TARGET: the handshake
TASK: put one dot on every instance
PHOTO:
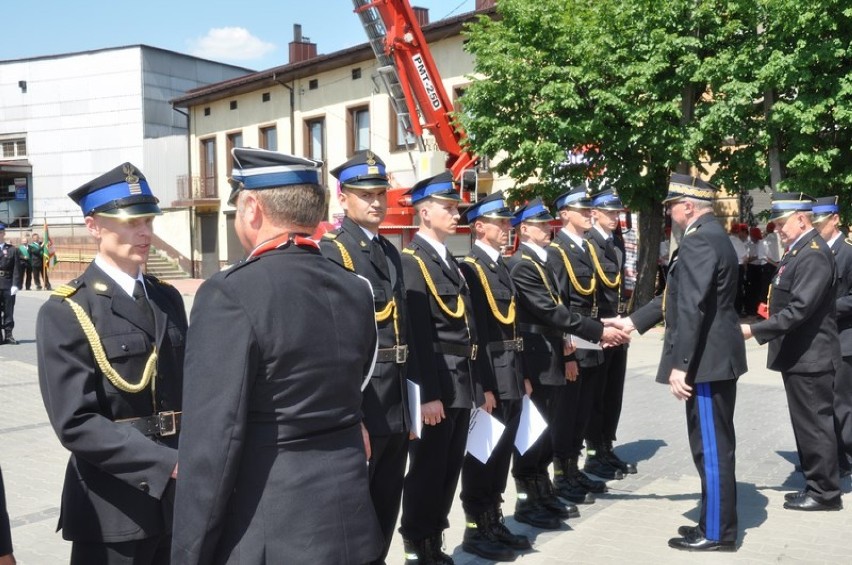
(616, 331)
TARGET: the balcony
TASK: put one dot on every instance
(197, 192)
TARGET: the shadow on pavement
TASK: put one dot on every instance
(641, 450)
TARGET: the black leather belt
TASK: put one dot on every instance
(588, 312)
(455, 349)
(396, 354)
(5, 273)
(507, 345)
(546, 331)
(162, 424)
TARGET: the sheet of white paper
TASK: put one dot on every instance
(532, 425)
(483, 433)
(581, 343)
(414, 407)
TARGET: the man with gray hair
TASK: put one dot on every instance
(273, 466)
(702, 355)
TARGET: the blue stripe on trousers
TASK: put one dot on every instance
(711, 462)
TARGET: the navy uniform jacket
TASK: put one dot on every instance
(385, 406)
(5, 530)
(442, 376)
(116, 476)
(611, 260)
(703, 334)
(802, 328)
(842, 250)
(539, 306)
(272, 462)
(499, 367)
(584, 271)
(11, 273)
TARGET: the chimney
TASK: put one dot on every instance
(422, 15)
(301, 48)
(484, 4)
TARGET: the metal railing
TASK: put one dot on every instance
(192, 187)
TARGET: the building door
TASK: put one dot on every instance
(209, 224)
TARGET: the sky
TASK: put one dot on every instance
(248, 33)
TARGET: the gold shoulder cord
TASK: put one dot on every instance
(101, 358)
(347, 259)
(556, 299)
(574, 282)
(459, 312)
(599, 269)
(509, 318)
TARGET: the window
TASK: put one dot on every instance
(14, 148)
(265, 97)
(233, 104)
(315, 139)
(207, 111)
(358, 129)
(313, 84)
(356, 73)
(269, 138)
(234, 140)
(400, 138)
(208, 169)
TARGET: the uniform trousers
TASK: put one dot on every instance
(149, 551)
(608, 394)
(710, 425)
(483, 484)
(810, 398)
(387, 471)
(573, 408)
(843, 412)
(7, 309)
(538, 457)
(433, 475)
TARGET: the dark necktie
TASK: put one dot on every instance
(377, 256)
(142, 302)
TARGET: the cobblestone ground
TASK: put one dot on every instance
(629, 525)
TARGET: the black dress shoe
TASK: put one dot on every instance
(794, 495)
(688, 531)
(810, 504)
(700, 543)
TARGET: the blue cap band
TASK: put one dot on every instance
(356, 171)
(430, 189)
(821, 209)
(530, 213)
(792, 205)
(112, 192)
(486, 208)
(254, 182)
(569, 199)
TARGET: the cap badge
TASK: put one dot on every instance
(132, 180)
(371, 161)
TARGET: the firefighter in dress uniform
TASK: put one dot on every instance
(702, 355)
(499, 367)
(827, 220)
(572, 266)
(802, 334)
(608, 261)
(110, 363)
(357, 246)
(543, 320)
(273, 459)
(444, 343)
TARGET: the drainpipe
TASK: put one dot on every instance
(292, 112)
(189, 185)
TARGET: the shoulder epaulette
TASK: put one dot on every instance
(814, 245)
(66, 290)
(153, 279)
(408, 251)
(848, 241)
(329, 235)
(469, 259)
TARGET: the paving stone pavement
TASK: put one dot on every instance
(630, 524)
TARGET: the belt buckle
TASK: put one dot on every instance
(520, 343)
(166, 419)
(473, 350)
(401, 353)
